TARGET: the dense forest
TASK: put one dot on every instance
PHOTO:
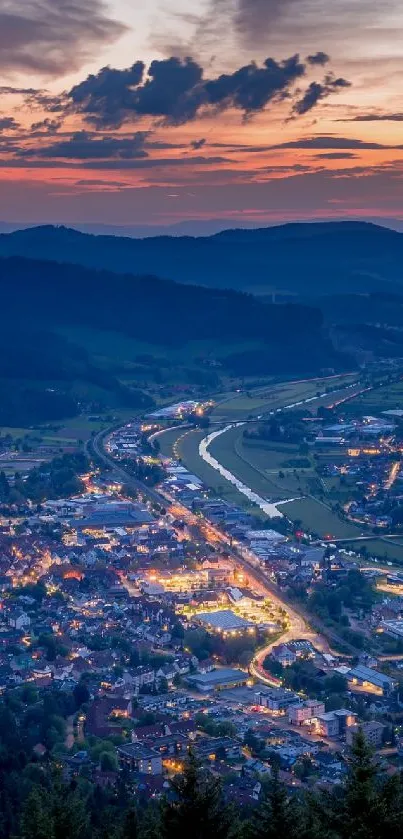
(288, 338)
(38, 369)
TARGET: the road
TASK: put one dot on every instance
(97, 444)
(298, 627)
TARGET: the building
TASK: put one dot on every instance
(218, 748)
(394, 628)
(304, 713)
(335, 723)
(218, 680)
(225, 621)
(283, 655)
(370, 681)
(276, 700)
(373, 733)
(328, 725)
(139, 758)
(112, 515)
(19, 619)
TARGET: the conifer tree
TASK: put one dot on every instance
(370, 807)
(37, 819)
(196, 808)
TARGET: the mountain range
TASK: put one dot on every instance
(301, 260)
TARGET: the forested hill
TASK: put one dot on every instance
(306, 258)
(38, 296)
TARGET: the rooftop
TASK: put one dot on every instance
(224, 620)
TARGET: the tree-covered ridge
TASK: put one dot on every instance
(308, 258)
(38, 370)
(287, 337)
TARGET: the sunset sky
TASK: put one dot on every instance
(161, 111)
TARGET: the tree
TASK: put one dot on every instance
(36, 819)
(197, 809)
(130, 826)
(70, 816)
(108, 762)
(81, 694)
(369, 809)
(277, 817)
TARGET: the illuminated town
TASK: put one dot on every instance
(177, 616)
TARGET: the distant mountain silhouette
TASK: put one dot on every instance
(302, 258)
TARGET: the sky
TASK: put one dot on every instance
(206, 114)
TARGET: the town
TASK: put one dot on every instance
(161, 620)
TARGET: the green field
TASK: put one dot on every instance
(257, 464)
(384, 398)
(383, 549)
(258, 467)
(227, 449)
(167, 440)
(240, 406)
(317, 518)
(188, 451)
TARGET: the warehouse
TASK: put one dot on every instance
(218, 680)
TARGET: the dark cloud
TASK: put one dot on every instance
(7, 90)
(396, 117)
(328, 142)
(174, 90)
(41, 100)
(336, 155)
(198, 144)
(108, 96)
(97, 182)
(32, 159)
(318, 58)
(156, 162)
(47, 126)
(52, 37)
(251, 88)
(317, 91)
(83, 146)
(8, 124)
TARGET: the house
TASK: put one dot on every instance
(105, 715)
(18, 619)
(283, 655)
(328, 724)
(139, 758)
(168, 672)
(217, 748)
(206, 666)
(142, 676)
(158, 636)
(170, 745)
